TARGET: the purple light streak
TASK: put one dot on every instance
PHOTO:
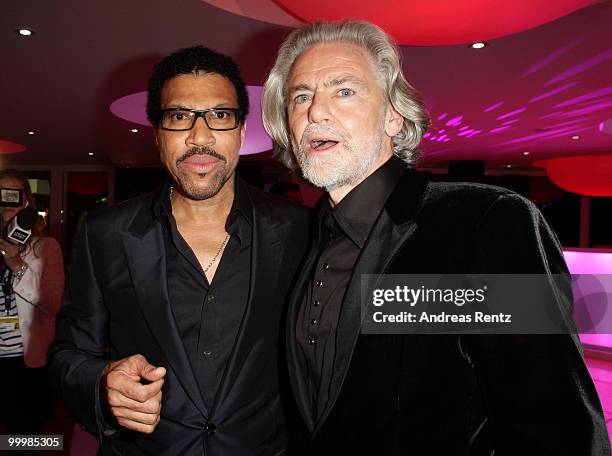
(581, 67)
(465, 132)
(510, 122)
(540, 136)
(495, 106)
(552, 114)
(552, 92)
(573, 131)
(454, 121)
(569, 122)
(551, 57)
(511, 113)
(497, 130)
(442, 116)
(593, 108)
(587, 96)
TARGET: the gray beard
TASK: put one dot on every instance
(346, 167)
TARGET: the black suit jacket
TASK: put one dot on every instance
(429, 395)
(116, 305)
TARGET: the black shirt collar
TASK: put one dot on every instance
(241, 206)
(359, 209)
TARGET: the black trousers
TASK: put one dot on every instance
(25, 395)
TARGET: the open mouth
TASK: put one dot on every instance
(322, 144)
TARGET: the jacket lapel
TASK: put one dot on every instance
(146, 258)
(266, 254)
(391, 231)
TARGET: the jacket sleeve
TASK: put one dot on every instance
(537, 392)
(79, 352)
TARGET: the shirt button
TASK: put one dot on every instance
(210, 428)
(207, 353)
(316, 303)
(211, 298)
(319, 283)
(314, 321)
(325, 266)
(311, 341)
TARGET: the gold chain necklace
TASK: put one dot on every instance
(221, 247)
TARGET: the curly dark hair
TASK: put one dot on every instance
(193, 60)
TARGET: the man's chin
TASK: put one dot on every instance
(207, 186)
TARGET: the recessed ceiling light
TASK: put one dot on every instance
(25, 31)
(508, 166)
(30, 132)
(90, 153)
(526, 153)
(576, 137)
(134, 130)
(478, 45)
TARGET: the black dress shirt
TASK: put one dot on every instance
(208, 315)
(343, 231)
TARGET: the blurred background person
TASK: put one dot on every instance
(32, 278)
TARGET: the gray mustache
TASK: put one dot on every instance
(316, 129)
(200, 151)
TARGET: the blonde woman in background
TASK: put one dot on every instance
(32, 278)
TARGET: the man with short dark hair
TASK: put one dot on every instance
(168, 342)
(338, 106)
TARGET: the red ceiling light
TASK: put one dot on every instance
(10, 147)
(439, 22)
(589, 175)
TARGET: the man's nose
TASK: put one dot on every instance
(200, 134)
(319, 110)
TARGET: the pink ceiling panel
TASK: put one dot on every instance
(133, 109)
(262, 10)
(439, 22)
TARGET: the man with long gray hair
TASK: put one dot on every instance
(339, 108)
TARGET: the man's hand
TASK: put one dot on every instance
(135, 404)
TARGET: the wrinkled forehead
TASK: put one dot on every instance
(325, 62)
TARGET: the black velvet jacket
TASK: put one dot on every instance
(117, 305)
(429, 395)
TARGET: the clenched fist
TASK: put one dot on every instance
(135, 404)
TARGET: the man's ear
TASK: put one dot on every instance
(393, 121)
(242, 132)
(155, 135)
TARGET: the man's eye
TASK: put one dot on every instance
(301, 99)
(346, 92)
(178, 116)
(220, 114)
